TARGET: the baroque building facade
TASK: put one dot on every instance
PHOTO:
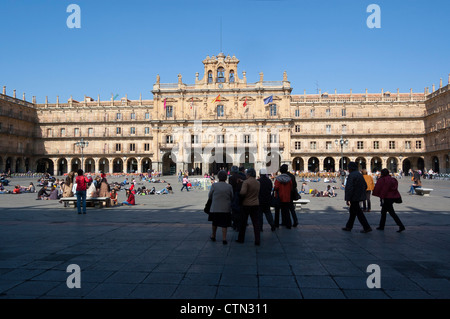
(222, 120)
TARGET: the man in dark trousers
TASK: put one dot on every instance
(355, 192)
(265, 191)
(284, 169)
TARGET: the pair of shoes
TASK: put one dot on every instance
(295, 225)
(402, 228)
(212, 238)
(224, 242)
(366, 230)
(239, 241)
(347, 229)
(380, 228)
(84, 213)
(257, 243)
(79, 213)
(272, 228)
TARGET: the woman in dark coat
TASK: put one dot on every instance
(221, 194)
(387, 189)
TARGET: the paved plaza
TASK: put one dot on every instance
(160, 249)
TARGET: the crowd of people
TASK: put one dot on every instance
(239, 194)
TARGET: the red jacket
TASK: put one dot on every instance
(81, 183)
(386, 187)
(283, 186)
(130, 199)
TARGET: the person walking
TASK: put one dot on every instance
(185, 183)
(236, 180)
(284, 170)
(355, 192)
(265, 191)
(221, 194)
(370, 185)
(250, 206)
(283, 187)
(386, 189)
(81, 182)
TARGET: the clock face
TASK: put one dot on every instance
(220, 85)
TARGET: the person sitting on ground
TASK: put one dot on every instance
(42, 194)
(130, 199)
(16, 189)
(2, 189)
(329, 192)
(303, 189)
(53, 194)
(169, 188)
(113, 197)
(31, 188)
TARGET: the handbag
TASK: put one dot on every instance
(295, 194)
(207, 206)
(274, 200)
(398, 200)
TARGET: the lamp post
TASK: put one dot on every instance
(342, 142)
(82, 144)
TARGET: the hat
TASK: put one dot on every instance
(234, 169)
(352, 166)
(263, 171)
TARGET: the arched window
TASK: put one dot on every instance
(231, 76)
(220, 75)
(210, 78)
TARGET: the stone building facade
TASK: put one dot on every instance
(222, 120)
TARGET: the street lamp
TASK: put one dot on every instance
(342, 142)
(82, 144)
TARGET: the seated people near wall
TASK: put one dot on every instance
(16, 189)
(130, 199)
(42, 194)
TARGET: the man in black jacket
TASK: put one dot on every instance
(265, 191)
(355, 192)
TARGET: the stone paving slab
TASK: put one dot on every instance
(160, 249)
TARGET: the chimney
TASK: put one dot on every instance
(4, 87)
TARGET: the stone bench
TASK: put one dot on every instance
(96, 201)
(300, 202)
(423, 191)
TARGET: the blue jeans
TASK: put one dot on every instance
(81, 196)
(126, 203)
(184, 185)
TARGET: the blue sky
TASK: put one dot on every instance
(122, 45)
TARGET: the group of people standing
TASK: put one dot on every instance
(246, 196)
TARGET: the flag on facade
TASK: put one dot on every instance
(217, 99)
(164, 104)
(192, 103)
(245, 102)
(268, 100)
